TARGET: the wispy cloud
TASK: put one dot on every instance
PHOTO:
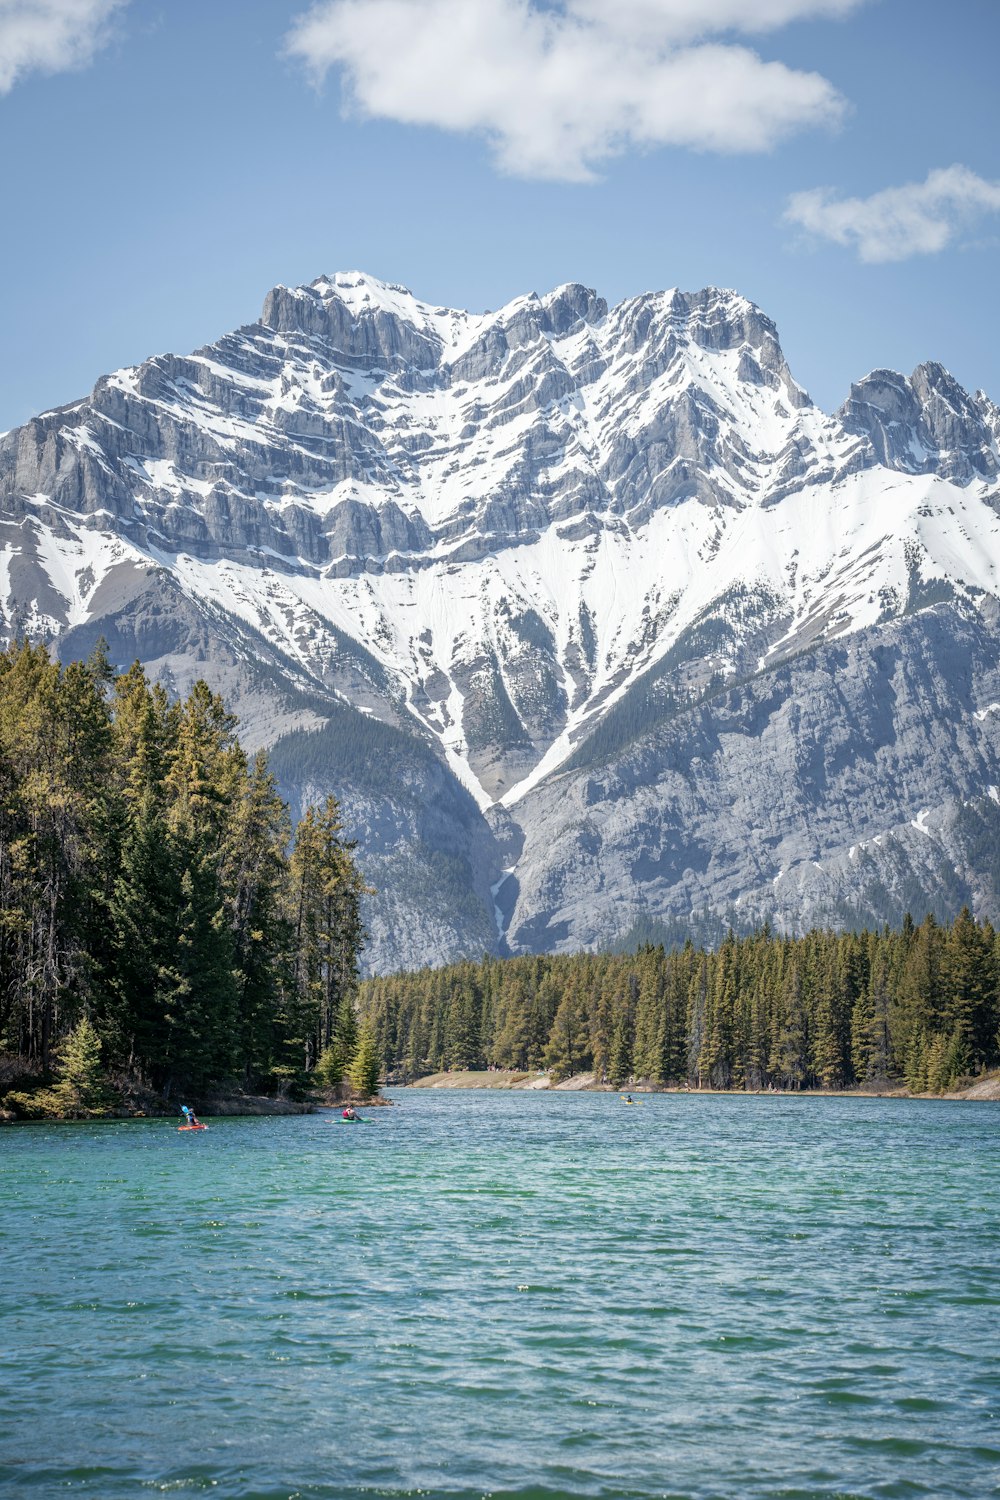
(50, 36)
(559, 90)
(918, 218)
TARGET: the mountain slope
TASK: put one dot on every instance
(505, 553)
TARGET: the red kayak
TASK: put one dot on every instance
(192, 1127)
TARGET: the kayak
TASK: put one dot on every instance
(192, 1127)
(358, 1120)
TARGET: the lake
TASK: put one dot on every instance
(523, 1294)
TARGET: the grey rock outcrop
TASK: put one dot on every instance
(824, 790)
(925, 425)
(594, 621)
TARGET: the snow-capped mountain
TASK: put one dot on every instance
(465, 569)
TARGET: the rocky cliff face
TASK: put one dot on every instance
(596, 623)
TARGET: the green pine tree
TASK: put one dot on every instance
(82, 1086)
(620, 1056)
(788, 1060)
(568, 1050)
(332, 1065)
(366, 1065)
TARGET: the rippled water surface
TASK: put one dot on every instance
(507, 1294)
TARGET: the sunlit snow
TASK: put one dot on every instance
(830, 545)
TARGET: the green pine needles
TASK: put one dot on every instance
(919, 1007)
(366, 1064)
(160, 920)
(83, 1085)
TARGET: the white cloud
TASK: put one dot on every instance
(919, 218)
(685, 20)
(50, 36)
(559, 90)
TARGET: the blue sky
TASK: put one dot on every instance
(162, 165)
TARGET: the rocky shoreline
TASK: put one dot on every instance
(986, 1088)
(228, 1106)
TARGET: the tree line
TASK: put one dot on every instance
(158, 913)
(830, 1010)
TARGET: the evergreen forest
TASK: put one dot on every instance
(919, 1006)
(165, 932)
(162, 926)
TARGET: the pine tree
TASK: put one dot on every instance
(143, 913)
(918, 1061)
(253, 874)
(144, 882)
(366, 1064)
(696, 1007)
(199, 988)
(325, 911)
(916, 1007)
(787, 1062)
(620, 1056)
(332, 1065)
(82, 1086)
(759, 1039)
(514, 1032)
(462, 1028)
(568, 1051)
(969, 984)
(870, 1041)
(650, 1059)
(829, 1060)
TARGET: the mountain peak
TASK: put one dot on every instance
(924, 423)
(509, 547)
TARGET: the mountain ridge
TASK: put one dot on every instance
(521, 538)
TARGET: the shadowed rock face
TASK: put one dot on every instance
(596, 624)
(854, 783)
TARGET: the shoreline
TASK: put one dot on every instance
(986, 1089)
(228, 1107)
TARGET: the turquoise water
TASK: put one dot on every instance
(508, 1294)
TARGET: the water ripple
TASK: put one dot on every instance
(532, 1296)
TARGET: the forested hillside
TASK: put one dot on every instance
(827, 1010)
(160, 925)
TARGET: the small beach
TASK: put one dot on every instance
(986, 1088)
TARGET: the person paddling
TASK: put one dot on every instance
(190, 1118)
(349, 1113)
